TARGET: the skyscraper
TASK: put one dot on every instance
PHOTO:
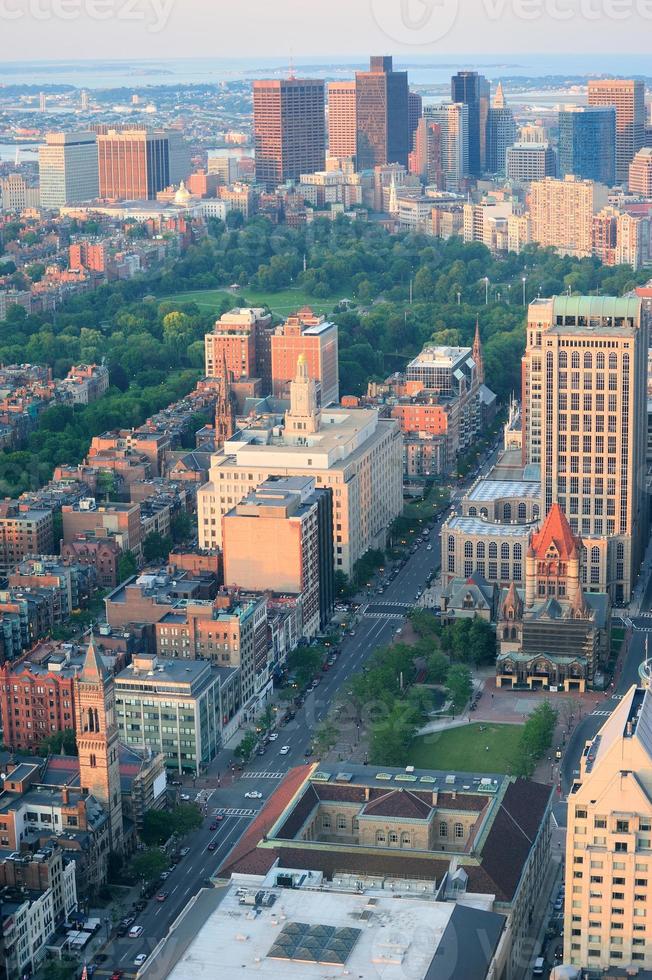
(135, 164)
(415, 111)
(382, 115)
(453, 120)
(628, 99)
(68, 169)
(585, 418)
(587, 143)
(562, 214)
(425, 158)
(342, 128)
(474, 91)
(525, 162)
(640, 173)
(501, 132)
(289, 129)
(608, 843)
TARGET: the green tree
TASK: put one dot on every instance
(325, 737)
(149, 864)
(535, 740)
(181, 527)
(53, 744)
(156, 546)
(393, 735)
(127, 566)
(459, 686)
(63, 969)
(246, 746)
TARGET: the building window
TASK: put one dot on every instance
(459, 830)
(393, 837)
(341, 822)
(443, 829)
(380, 837)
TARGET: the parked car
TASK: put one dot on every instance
(184, 851)
(140, 959)
(161, 896)
(164, 874)
(273, 736)
(135, 932)
(185, 797)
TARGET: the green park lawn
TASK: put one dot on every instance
(284, 302)
(465, 748)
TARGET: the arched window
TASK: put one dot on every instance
(599, 361)
(406, 840)
(563, 359)
(451, 543)
(507, 512)
(522, 511)
(595, 555)
(479, 551)
(493, 549)
(443, 829)
(380, 837)
(468, 549)
(506, 631)
(504, 551)
(484, 512)
(613, 362)
(575, 359)
(473, 512)
(91, 721)
(518, 551)
(535, 511)
(514, 633)
(459, 830)
(393, 837)
(588, 360)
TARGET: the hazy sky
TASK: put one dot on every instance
(55, 29)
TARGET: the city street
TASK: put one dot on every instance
(379, 618)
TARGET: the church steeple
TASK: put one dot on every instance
(225, 409)
(477, 352)
(97, 739)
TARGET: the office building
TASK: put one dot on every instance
(16, 194)
(607, 929)
(502, 132)
(236, 339)
(460, 832)
(24, 530)
(453, 121)
(584, 421)
(354, 452)
(280, 539)
(68, 169)
(525, 162)
(587, 143)
(289, 129)
(226, 168)
(135, 164)
(628, 99)
(562, 211)
(382, 115)
(640, 173)
(415, 112)
(173, 707)
(426, 157)
(315, 339)
(342, 125)
(474, 91)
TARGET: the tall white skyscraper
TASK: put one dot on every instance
(453, 118)
(68, 169)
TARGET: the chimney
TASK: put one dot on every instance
(64, 795)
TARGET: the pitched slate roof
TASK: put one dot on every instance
(513, 832)
(398, 803)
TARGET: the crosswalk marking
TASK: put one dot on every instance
(601, 714)
(233, 811)
(263, 775)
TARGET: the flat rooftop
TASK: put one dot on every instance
(499, 489)
(475, 525)
(372, 934)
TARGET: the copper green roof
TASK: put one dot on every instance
(598, 306)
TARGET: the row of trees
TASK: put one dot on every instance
(466, 641)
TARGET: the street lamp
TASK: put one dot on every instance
(509, 292)
(486, 290)
(459, 298)
(524, 280)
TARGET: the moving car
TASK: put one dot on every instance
(285, 749)
(213, 826)
(140, 959)
(211, 846)
(253, 795)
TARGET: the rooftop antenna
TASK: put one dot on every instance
(291, 72)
